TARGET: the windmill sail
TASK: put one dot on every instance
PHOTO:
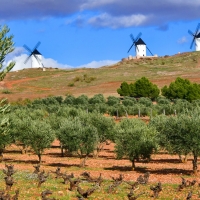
(196, 38)
(35, 55)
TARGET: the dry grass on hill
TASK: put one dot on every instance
(35, 83)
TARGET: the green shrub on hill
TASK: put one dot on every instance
(141, 88)
(182, 89)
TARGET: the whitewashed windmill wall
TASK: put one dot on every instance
(140, 48)
(197, 42)
(36, 59)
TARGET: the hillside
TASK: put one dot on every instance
(34, 83)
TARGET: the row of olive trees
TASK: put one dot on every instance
(81, 133)
(114, 106)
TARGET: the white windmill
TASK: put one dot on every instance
(35, 55)
(140, 46)
(196, 38)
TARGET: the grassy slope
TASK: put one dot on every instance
(32, 83)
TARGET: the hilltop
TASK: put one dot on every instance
(35, 83)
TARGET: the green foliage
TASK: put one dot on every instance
(81, 100)
(180, 134)
(73, 112)
(32, 129)
(6, 47)
(71, 84)
(6, 91)
(119, 110)
(79, 136)
(5, 138)
(59, 99)
(124, 89)
(84, 78)
(135, 140)
(129, 101)
(40, 136)
(163, 100)
(112, 100)
(97, 98)
(159, 122)
(181, 105)
(182, 89)
(104, 126)
(141, 88)
(69, 100)
(100, 108)
(145, 101)
(50, 101)
(144, 88)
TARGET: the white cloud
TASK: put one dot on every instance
(19, 62)
(128, 12)
(106, 20)
(182, 40)
(19, 58)
(96, 64)
(17, 52)
(95, 3)
(47, 62)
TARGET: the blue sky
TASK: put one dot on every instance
(93, 33)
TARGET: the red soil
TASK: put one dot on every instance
(163, 167)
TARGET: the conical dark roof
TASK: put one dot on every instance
(36, 52)
(198, 35)
(140, 42)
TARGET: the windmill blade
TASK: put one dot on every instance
(27, 48)
(149, 51)
(27, 58)
(136, 47)
(37, 45)
(191, 33)
(131, 35)
(197, 29)
(192, 43)
(138, 36)
(131, 47)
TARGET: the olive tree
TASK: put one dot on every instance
(180, 134)
(183, 134)
(97, 98)
(104, 126)
(78, 136)
(32, 129)
(41, 136)
(135, 140)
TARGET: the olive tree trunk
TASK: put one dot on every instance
(195, 164)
